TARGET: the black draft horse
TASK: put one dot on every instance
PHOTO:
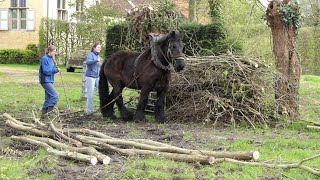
(147, 71)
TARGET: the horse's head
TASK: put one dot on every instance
(171, 48)
(176, 50)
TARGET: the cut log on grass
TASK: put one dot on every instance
(193, 158)
(174, 156)
(276, 165)
(313, 127)
(88, 131)
(107, 147)
(63, 136)
(180, 157)
(254, 155)
(28, 129)
(136, 145)
(85, 150)
(151, 142)
(6, 115)
(311, 122)
(31, 141)
(74, 155)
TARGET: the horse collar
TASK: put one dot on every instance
(156, 61)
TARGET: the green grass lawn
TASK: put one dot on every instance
(21, 89)
(21, 93)
(310, 98)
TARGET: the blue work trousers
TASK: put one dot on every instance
(91, 85)
(51, 95)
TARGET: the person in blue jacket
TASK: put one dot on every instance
(46, 77)
(93, 63)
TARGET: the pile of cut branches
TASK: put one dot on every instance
(146, 19)
(225, 88)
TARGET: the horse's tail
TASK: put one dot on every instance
(103, 90)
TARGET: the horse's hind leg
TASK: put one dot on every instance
(107, 110)
(125, 114)
(143, 101)
(160, 105)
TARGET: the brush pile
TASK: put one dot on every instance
(146, 19)
(225, 88)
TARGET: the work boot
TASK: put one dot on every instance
(50, 112)
(43, 113)
(50, 109)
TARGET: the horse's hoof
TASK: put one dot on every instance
(128, 117)
(112, 116)
(138, 118)
(162, 120)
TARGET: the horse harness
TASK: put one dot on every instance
(154, 57)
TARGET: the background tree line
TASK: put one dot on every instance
(243, 22)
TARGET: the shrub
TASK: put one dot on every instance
(204, 40)
(32, 47)
(18, 56)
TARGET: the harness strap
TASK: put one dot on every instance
(135, 76)
(155, 58)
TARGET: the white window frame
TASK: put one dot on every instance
(4, 19)
(29, 18)
(62, 13)
(18, 19)
(79, 5)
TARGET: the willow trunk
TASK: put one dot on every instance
(287, 61)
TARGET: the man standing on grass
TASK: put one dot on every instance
(46, 77)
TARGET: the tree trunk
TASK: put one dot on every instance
(192, 11)
(287, 60)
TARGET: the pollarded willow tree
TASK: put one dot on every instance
(284, 19)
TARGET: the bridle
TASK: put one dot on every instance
(168, 56)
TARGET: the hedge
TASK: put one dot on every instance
(204, 40)
(18, 56)
(198, 39)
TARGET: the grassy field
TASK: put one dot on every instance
(21, 94)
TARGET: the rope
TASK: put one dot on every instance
(64, 90)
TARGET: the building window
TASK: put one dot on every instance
(79, 5)
(62, 11)
(19, 16)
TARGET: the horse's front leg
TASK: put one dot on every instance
(160, 105)
(143, 101)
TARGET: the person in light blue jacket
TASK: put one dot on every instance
(93, 63)
(46, 77)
